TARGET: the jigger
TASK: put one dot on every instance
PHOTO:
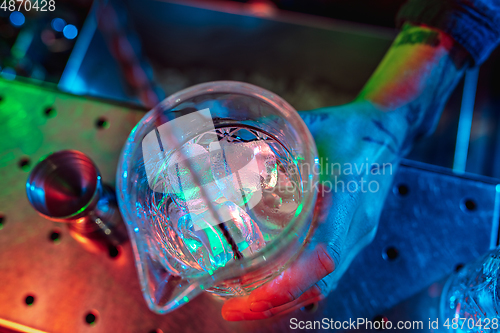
(66, 186)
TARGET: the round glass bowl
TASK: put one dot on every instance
(216, 185)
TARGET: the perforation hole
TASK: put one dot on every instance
(55, 236)
(468, 205)
(50, 112)
(379, 322)
(390, 253)
(402, 190)
(91, 317)
(113, 251)
(102, 123)
(29, 300)
(24, 164)
(310, 308)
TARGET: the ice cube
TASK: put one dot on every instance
(244, 231)
(206, 245)
(181, 179)
(241, 168)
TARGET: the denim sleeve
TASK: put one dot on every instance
(475, 24)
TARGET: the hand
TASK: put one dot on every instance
(360, 145)
(357, 150)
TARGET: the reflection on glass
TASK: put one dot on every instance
(216, 186)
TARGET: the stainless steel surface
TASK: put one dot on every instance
(423, 307)
(432, 221)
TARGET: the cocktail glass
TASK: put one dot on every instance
(217, 187)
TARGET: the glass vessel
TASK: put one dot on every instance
(470, 301)
(216, 186)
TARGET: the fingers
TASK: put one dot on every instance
(300, 276)
(312, 295)
(236, 310)
(286, 289)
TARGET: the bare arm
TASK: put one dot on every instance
(414, 81)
